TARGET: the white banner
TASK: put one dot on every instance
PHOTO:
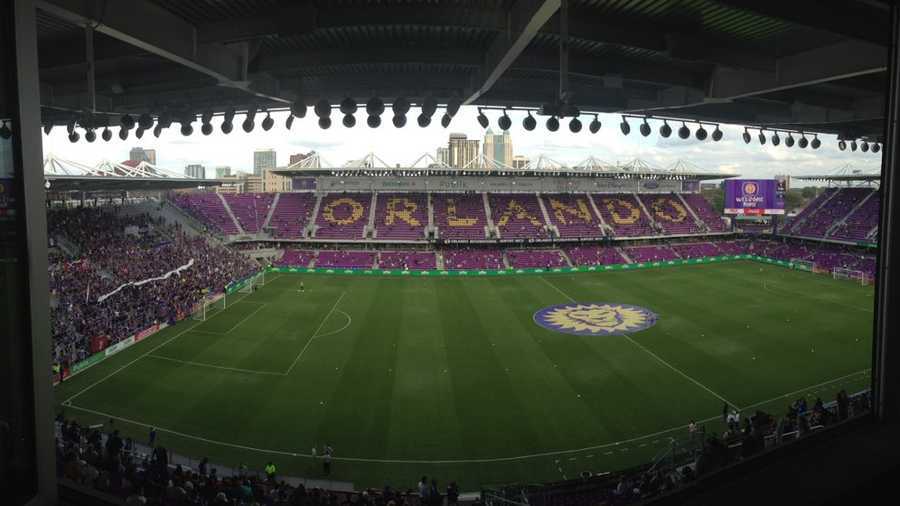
(145, 281)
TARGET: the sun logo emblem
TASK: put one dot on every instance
(595, 319)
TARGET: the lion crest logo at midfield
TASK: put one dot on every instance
(595, 319)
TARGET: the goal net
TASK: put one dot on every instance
(803, 265)
(853, 275)
(208, 307)
(256, 280)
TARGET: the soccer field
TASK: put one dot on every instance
(453, 377)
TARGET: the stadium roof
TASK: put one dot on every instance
(541, 166)
(847, 173)
(65, 175)
(818, 66)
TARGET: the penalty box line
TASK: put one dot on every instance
(654, 355)
(553, 453)
(129, 364)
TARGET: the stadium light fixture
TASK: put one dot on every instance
(186, 128)
(529, 123)
(842, 145)
(762, 138)
(429, 107)
(249, 120)
(552, 124)
(206, 128)
(595, 125)
(665, 130)
(684, 132)
(876, 147)
(90, 135)
(325, 123)
(145, 121)
(5, 132)
(374, 108)
(123, 133)
(701, 133)
(348, 109)
(864, 146)
(423, 120)
(228, 121)
(400, 108)
(206, 118)
(803, 142)
(127, 121)
(298, 108)
(445, 120)
(853, 145)
(139, 132)
(453, 106)
(717, 134)
(48, 127)
(157, 130)
(267, 122)
(624, 126)
(815, 143)
(776, 140)
(575, 125)
(645, 128)
(73, 136)
(504, 122)
(746, 136)
(482, 119)
(789, 140)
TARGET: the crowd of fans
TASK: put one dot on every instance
(108, 249)
(744, 437)
(98, 457)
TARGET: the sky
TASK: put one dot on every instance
(403, 146)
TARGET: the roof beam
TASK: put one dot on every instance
(821, 65)
(859, 20)
(525, 20)
(139, 22)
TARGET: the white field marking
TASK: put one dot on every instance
(654, 355)
(454, 461)
(316, 333)
(221, 367)
(238, 324)
(338, 331)
(117, 371)
(781, 292)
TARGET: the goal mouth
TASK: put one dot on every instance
(851, 275)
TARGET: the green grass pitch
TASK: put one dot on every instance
(452, 378)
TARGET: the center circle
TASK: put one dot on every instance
(595, 318)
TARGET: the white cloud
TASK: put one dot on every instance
(403, 146)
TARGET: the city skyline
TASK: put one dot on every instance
(403, 146)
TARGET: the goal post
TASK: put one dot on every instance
(207, 307)
(803, 265)
(258, 279)
(851, 274)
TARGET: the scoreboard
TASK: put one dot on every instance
(754, 197)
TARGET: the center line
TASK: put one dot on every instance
(654, 355)
(316, 333)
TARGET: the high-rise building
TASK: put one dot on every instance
(223, 171)
(143, 155)
(498, 147)
(443, 156)
(263, 159)
(195, 170)
(462, 150)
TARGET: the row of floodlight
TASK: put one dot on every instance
(789, 140)
(863, 146)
